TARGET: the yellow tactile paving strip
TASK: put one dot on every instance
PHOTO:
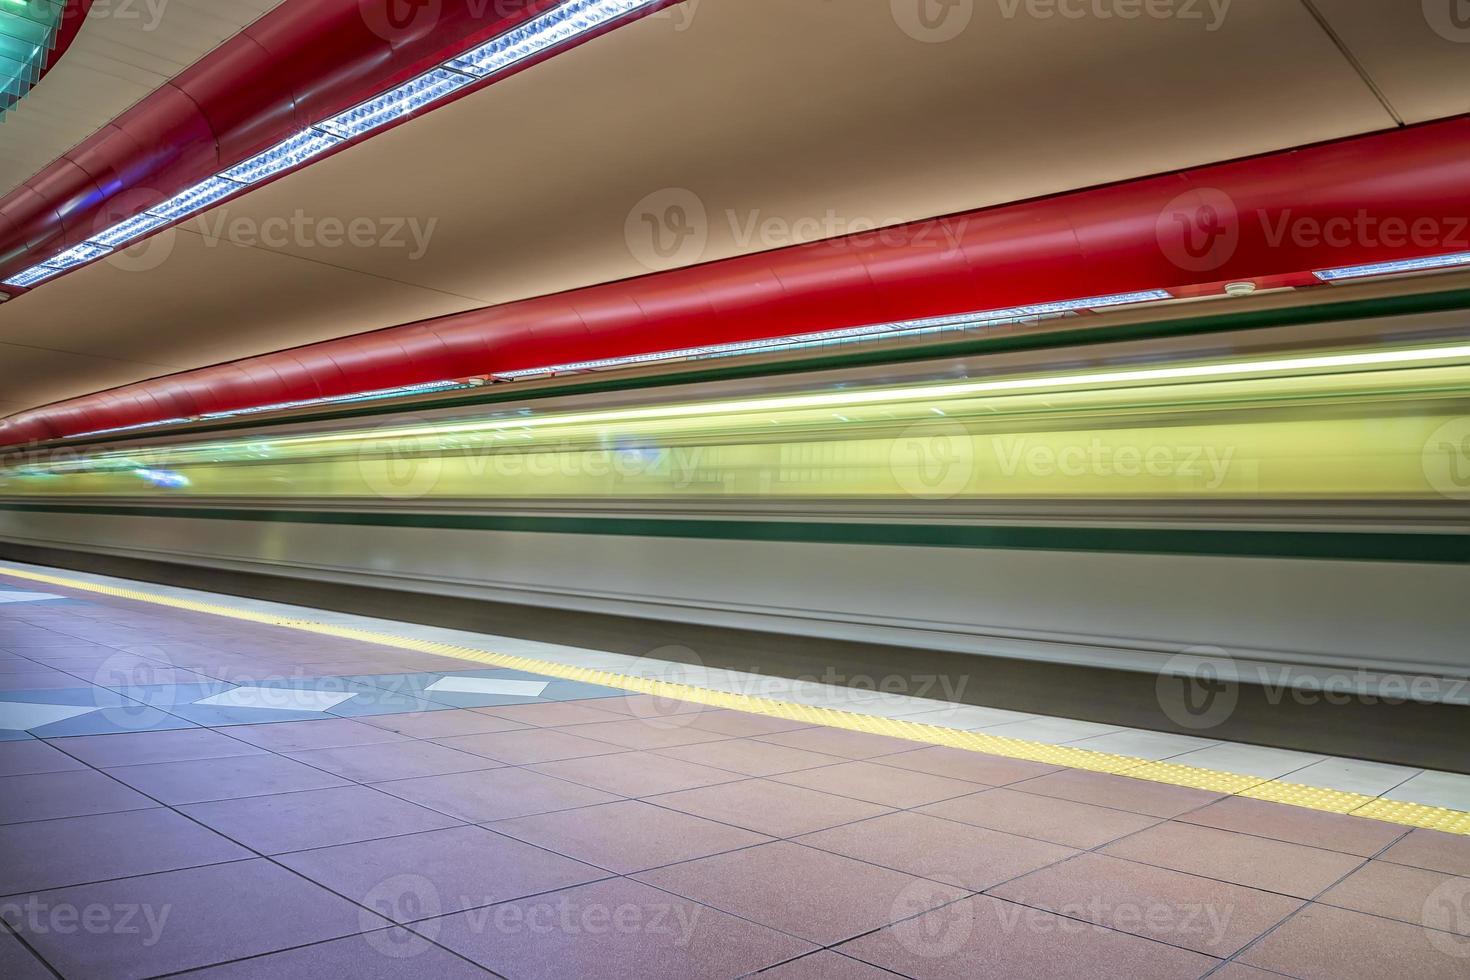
(1273, 790)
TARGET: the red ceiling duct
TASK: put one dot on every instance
(1275, 218)
(304, 61)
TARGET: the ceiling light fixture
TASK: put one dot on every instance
(1427, 264)
(556, 27)
(283, 156)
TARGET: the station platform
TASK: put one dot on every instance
(214, 786)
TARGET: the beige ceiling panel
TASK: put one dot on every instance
(1416, 51)
(786, 120)
(29, 372)
(126, 49)
(798, 119)
(197, 305)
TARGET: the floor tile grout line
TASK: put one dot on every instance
(844, 761)
(117, 878)
(1308, 903)
(193, 970)
(227, 611)
(755, 974)
(6, 930)
(1204, 806)
(626, 747)
(262, 856)
(970, 893)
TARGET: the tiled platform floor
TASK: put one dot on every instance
(406, 817)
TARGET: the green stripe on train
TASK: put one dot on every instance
(1319, 545)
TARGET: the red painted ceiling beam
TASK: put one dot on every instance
(1271, 219)
(304, 61)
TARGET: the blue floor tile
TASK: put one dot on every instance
(403, 685)
(384, 703)
(216, 716)
(578, 691)
(9, 736)
(457, 699)
(323, 683)
(114, 721)
(167, 695)
(100, 697)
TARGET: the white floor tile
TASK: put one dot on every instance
(20, 717)
(1051, 730)
(1248, 760)
(889, 705)
(970, 716)
(485, 685)
(1352, 776)
(27, 596)
(278, 699)
(1447, 789)
(1144, 745)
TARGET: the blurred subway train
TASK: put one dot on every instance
(1291, 499)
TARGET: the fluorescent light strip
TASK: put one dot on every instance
(960, 321)
(129, 428)
(31, 276)
(960, 389)
(283, 156)
(196, 198)
(337, 399)
(881, 330)
(125, 231)
(279, 406)
(555, 27)
(888, 396)
(402, 101)
(1391, 268)
(1098, 302)
(75, 256)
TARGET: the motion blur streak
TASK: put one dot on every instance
(1353, 424)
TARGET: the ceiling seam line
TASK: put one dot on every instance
(1353, 60)
(483, 303)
